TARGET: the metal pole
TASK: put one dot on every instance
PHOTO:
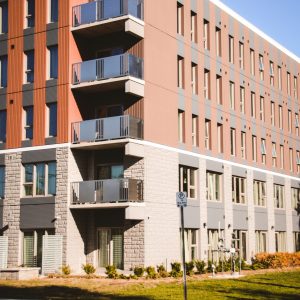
(183, 254)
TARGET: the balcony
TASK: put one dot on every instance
(119, 71)
(107, 193)
(112, 128)
(108, 16)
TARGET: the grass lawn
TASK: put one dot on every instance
(275, 285)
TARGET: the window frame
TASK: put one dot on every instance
(278, 195)
(239, 189)
(259, 193)
(214, 181)
(191, 177)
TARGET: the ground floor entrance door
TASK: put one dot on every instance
(110, 247)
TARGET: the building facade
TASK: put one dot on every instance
(109, 107)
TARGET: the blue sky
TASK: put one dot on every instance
(280, 19)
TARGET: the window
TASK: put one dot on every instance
(295, 198)
(29, 13)
(242, 100)
(206, 41)
(4, 17)
(281, 156)
(260, 241)
(252, 62)
(220, 137)
(253, 105)
(218, 42)
(296, 238)
(288, 83)
(272, 113)
(238, 190)
(53, 61)
(240, 242)
(207, 134)
(241, 55)
(263, 151)
(298, 161)
(29, 66)
(28, 122)
(259, 193)
(280, 117)
(213, 186)
(261, 67)
(51, 113)
(280, 241)
(191, 243)
(271, 73)
(2, 182)
(193, 27)
(180, 72)
(188, 181)
(40, 179)
(231, 49)
(232, 142)
(194, 77)
(262, 109)
(243, 145)
(274, 155)
(195, 137)
(214, 237)
(231, 95)
(278, 196)
(53, 11)
(219, 89)
(295, 87)
(181, 121)
(3, 71)
(297, 124)
(2, 126)
(206, 84)
(291, 159)
(180, 21)
(290, 120)
(279, 78)
(254, 148)
(33, 247)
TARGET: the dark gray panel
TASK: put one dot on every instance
(2, 146)
(259, 176)
(261, 219)
(296, 221)
(27, 98)
(3, 37)
(188, 160)
(52, 37)
(27, 143)
(51, 94)
(28, 42)
(1, 214)
(237, 171)
(214, 166)
(192, 216)
(3, 91)
(52, 26)
(2, 159)
(39, 155)
(50, 140)
(3, 47)
(215, 215)
(37, 213)
(295, 183)
(27, 87)
(51, 82)
(280, 220)
(278, 180)
(28, 31)
(240, 217)
(3, 101)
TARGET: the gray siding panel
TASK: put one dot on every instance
(1, 214)
(191, 216)
(27, 98)
(237, 171)
(29, 42)
(52, 37)
(214, 166)
(3, 101)
(296, 221)
(2, 159)
(278, 180)
(240, 217)
(51, 94)
(215, 215)
(3, 47)
(280, 220)
(39, 155)
(259, 176)
(188, 160)
(261, 219)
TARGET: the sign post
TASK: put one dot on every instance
(182, 202)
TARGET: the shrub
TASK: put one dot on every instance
(162, 272)
(138, 271)
(88, 269)
(66, 270)
(151, 273)
(176, 269)
(111, 272)
(189, 267)
(122, 276)
(209, 266)
(276, 260)
(200, 266)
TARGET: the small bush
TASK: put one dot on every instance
(189, 267)
(200, 266)
(88, 269)
(138, 271)
(176, 269)
(122, 276)
(133, 276)
(151, 273)
(66, 270)
(111, 272)
(162, 272)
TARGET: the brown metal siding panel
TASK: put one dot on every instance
(137, 49)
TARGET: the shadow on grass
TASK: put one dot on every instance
(58, 293)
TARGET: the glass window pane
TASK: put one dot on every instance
(53, 61)
(54, 11)
(40, 179)
(2, 125)
(52, 119)
(52, 178)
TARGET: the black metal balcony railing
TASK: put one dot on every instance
(108, 67)
(106, 9)
(107, 129)
(107, 191)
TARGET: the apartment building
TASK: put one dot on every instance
(109, 107)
